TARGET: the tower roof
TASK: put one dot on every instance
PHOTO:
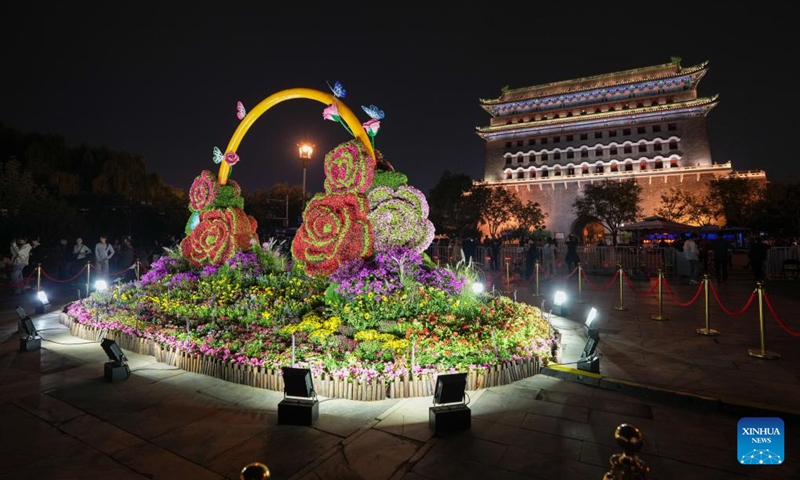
(643, 74)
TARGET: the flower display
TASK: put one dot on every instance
(218, 235)
(203, 191)
(372, 126)
(335, 229)
(348, 168)
(400, 218)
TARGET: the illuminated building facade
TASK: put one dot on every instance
(546, 142)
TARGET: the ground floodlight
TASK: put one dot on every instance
(560, 304)
(28, 327)
(449, 411)
(589, 360)
(30, 339)
(42, 302)
(450, 388)
(100, 285)
(299, 405)
(477, 287)
(590, 318)
(21, 312)
(117, 367)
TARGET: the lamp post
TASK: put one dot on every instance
(304, 151)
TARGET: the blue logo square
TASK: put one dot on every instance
(760, 441)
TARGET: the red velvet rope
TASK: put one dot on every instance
(21, 282)
(672, 295)
(47, 276)
(636, 292)
(777, 319)
(604, 287)
(733, 314)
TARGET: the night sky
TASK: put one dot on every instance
(163, 80)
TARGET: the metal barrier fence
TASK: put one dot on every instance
(639, 262)
(781, 265)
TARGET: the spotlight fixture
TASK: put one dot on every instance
(117, 367)
(559, 304)
(100, 285)
(30, 340)
(42, 302)
(449, 411)
(477, 287)
(299, 405)
(589, 360)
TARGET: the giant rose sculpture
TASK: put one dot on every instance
(399, 218)
(348, 168)
(335, 230)
(218, 226)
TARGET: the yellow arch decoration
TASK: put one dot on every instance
(324, 97)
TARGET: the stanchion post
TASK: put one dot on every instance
(627, 465)
(706, 330)
(621, 305)
(580, 284)
(536, 273)
(508, 270)
(39, 278)
(137, 270)
(88, 276)
(660, 315)
(762, 353)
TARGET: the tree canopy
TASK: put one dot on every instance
(610, 202)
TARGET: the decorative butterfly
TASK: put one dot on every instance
(240, 111)
(218, 156)
(337, 89)
(374, 112)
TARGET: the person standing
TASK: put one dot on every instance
(719, 247)
(572, 257)
(79, 253)
(20, 255)
(103, 252)
(757, 256)
(549, 256)
(692, 254)
(468, 246)
(64, 259)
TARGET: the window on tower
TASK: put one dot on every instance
(627, 149)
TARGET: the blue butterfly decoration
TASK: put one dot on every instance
(194, 220)
(218, 156)
(337, 89)
(374, 112)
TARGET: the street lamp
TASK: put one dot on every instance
(304, 150)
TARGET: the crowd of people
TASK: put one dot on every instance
(65, 261)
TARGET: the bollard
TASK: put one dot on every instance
(254, 471)
(706, 330)
(660, 315)
(627, 465)
(580, 289)
(535, 272)
(621, 305)
(39, 278)
(762, 353)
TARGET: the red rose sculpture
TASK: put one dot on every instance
(348, 168)
(203, 191)
(335, 230)
(220, 234)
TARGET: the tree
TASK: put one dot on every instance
(529, 217)
(781, 210)
(612, 203)
(738, 199)
(498, 207)
(679, 205)
(454, 204)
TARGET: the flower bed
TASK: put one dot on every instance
(376, 328)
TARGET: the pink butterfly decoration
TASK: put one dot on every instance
(231, 158)
(240, 111)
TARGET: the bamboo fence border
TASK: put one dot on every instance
(324, 385)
